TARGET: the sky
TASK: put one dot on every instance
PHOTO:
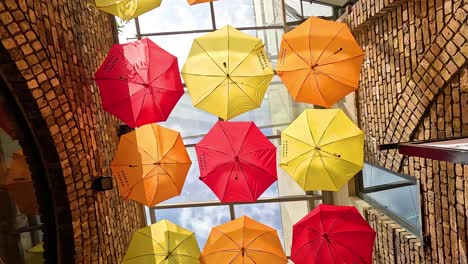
(177, 15)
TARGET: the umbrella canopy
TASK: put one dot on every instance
(162, 243)
(245, 241)
(127, 9)
(151, 164)
(34, 255)
(236, 161)
(139, 82)
(320, 62)
(194, 2)
(234, 76)
(322, 149)
(20, 186)
(332, 234)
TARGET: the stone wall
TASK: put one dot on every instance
(57, 45)
(414, 86)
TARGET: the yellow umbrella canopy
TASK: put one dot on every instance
(127, 9)
(243, 241)
(227, 72)
(322, 149)
(162, 243)
(151, 164)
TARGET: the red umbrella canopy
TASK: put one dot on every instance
(139, 82)
(332, 234)
(237, 162)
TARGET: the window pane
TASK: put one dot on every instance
(176, 15)
(177, 45)
(294, 11)
(248, 13)
(373, 176)
(199, 220)
(268, 214)
(194, 190)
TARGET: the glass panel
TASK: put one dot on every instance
(314, 9)
(373, 176)
(199, 220)
(189, 121)
(194, 190)
(176, 15)
(177, 45)
(402, 201)
(126, 29)
(268, 214)
(248, 13)
(291, 213)
(294, 11)
(272, 40)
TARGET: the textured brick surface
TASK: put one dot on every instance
(57, 45)
(414, 87)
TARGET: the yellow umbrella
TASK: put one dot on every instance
(127, 9)
(151, 164)
(227, 72)
(322, 149)
(162, 243)
(34, 255)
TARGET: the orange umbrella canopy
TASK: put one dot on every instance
(151, 164)
(20, 186)
(320, 62)
(243, 241)
(194, 2)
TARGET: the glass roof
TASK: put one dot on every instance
(173, 27)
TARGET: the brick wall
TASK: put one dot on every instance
(414, 86)
(57, 45)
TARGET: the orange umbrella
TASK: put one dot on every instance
(151, 164)
(194, 2)
(320, 62)
(20, 186)
(245, 241)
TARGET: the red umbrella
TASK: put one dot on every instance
(139, 82)
(332, 234)
(236, 161)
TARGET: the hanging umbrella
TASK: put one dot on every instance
(139, 82)
(332, 234)
(243, 240)
(322, 149)
(236, 161)
(194, 2)
(227, 72)
(20, 186)
(151, 164)
(162, 243)
(127, 9)
(320, 62)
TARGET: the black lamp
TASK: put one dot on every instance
(102, 184)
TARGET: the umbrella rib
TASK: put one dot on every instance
(165, 251)
(219, 151)
(295, 51)
(230, 238)
(258, 150)
(158, 104)
(262, 169)
(326, 47)
(302, 84)
(144, 255)
(310, 132)
(347, 249)
(133, 67)
(203, 75)
(351, 231)
(248, 54)
(338, 218)
(219, 165)
(309, 42)
(305, 227)
(168, 67)
(325, 131)
(300, 69)
(172, 146)
(307, 243)
(266, 232)
(350, 58)
(195, 41)
(136, 144)
(335, 157)
(250, 190)
(212, 91)
(232, 260)
(227, 139)
(316, 256)
(308, 168)
(227, 183)
(323, 145)
(264, 251)
(297, 139)
(154, 197)
(225, 250)
(318, 86)
(250, 76)
(331, 253)
(141, 107)
(245, 93)
(328, 173)
(330, 76)
(183, 240)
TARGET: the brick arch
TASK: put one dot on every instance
(39, 149)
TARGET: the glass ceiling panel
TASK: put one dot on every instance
(176, 15)
(199, 220)
(247, 13)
